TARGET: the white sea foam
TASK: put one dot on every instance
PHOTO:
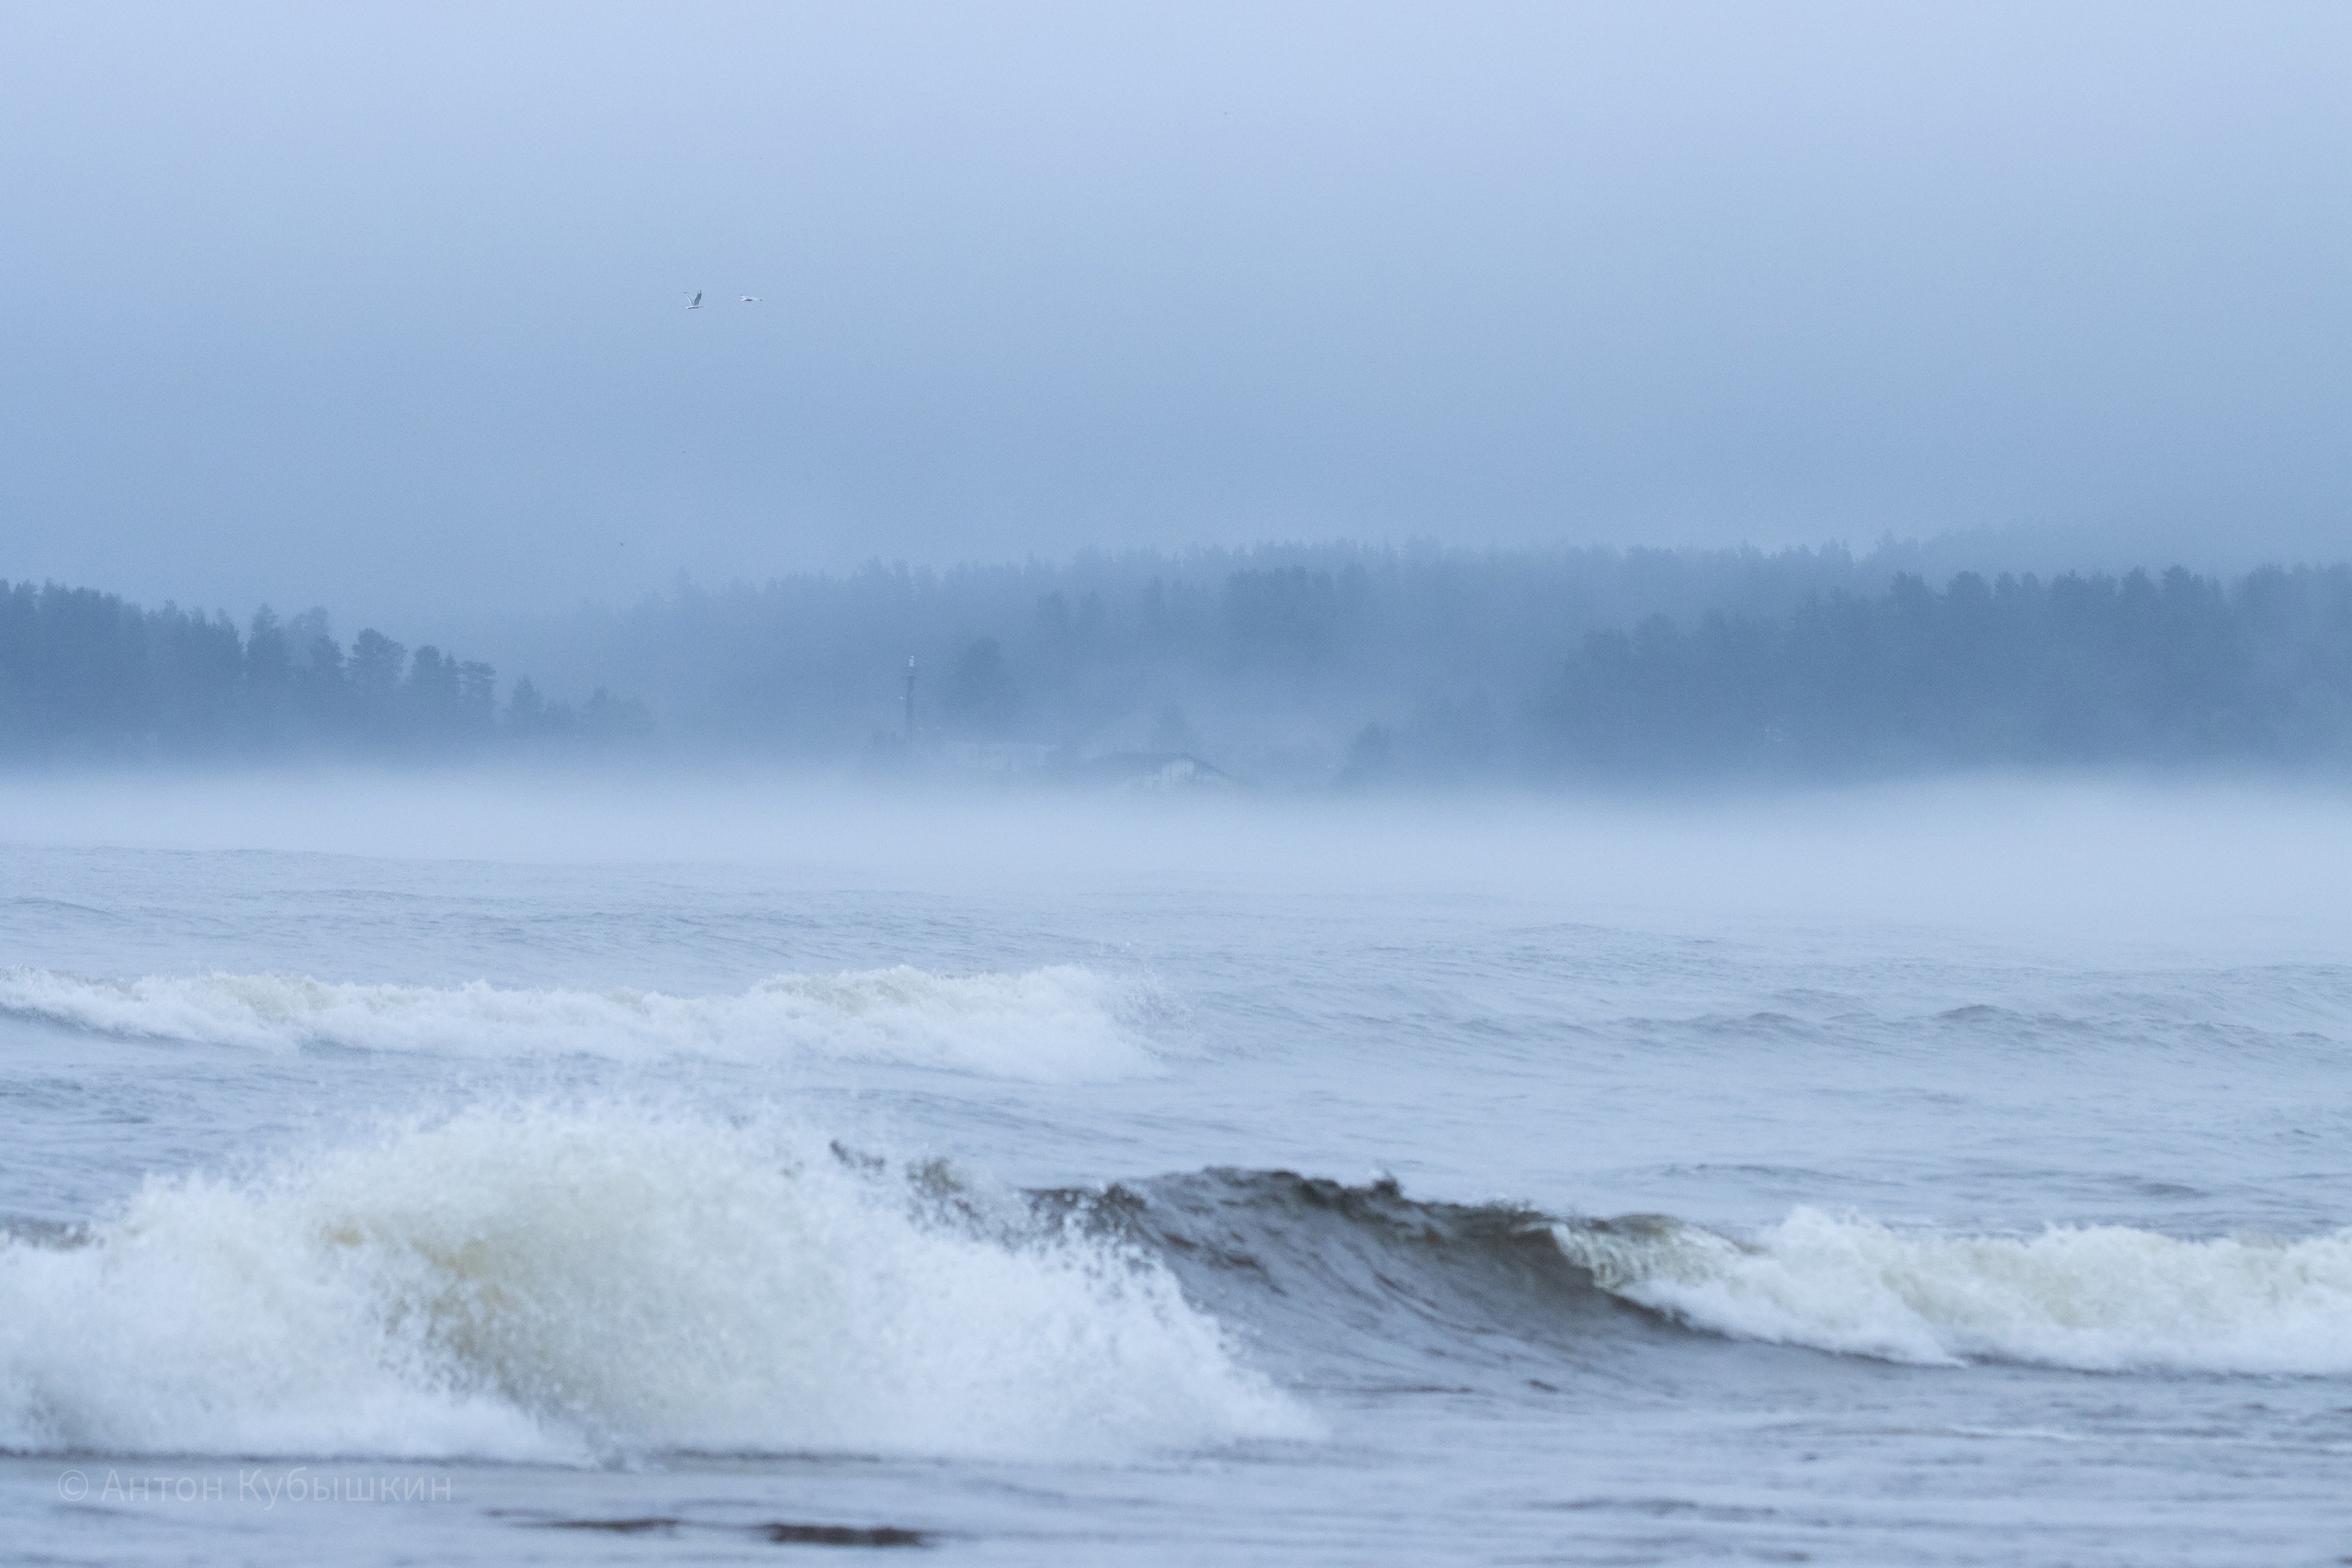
(541, 1283)
(2098, 1298)
(1061, 1022)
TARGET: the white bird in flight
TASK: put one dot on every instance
(695, 303)
(750, 299)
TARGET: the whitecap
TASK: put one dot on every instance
(2102, 1298)
(1061, 1022)
(539, 1283)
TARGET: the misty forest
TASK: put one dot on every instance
(1333, 665)
(82, 674)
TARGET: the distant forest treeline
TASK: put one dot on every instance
(1306, 665)
(84, 675)
(1360, 663)
(1267, 661)
(2131, 669)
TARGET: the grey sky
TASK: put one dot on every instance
(384, 309)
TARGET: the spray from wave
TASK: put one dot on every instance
(2105, 1298)
(1056, 1024)
(539, 1283)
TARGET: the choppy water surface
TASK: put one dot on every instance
(1873, 1181)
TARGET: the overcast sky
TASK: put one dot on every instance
(385, 307)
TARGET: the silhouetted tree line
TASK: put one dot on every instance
(2075, 670)
(1296, 664)
(84, 674)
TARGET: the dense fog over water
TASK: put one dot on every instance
(2014, 855)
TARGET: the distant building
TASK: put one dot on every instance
(995, 756)
(1154, 770)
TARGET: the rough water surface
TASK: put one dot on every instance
(1205, 1186)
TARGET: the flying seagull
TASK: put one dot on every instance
(750, 299)
(695, 303)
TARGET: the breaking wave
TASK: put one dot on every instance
(1493, 1285)
(2105, 1298)
(596, 1282)
(1061, 1022)
(539, 1283)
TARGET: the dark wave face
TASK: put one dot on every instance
(1363, 1286)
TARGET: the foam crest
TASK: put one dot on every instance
(2098, 1298)
(1057, 1023)
(532, 1283)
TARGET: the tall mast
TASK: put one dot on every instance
(911, 699)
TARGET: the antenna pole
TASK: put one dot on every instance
(910, 702)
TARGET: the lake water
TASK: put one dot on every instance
(491, 1170)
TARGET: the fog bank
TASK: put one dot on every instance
(2080, 863)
